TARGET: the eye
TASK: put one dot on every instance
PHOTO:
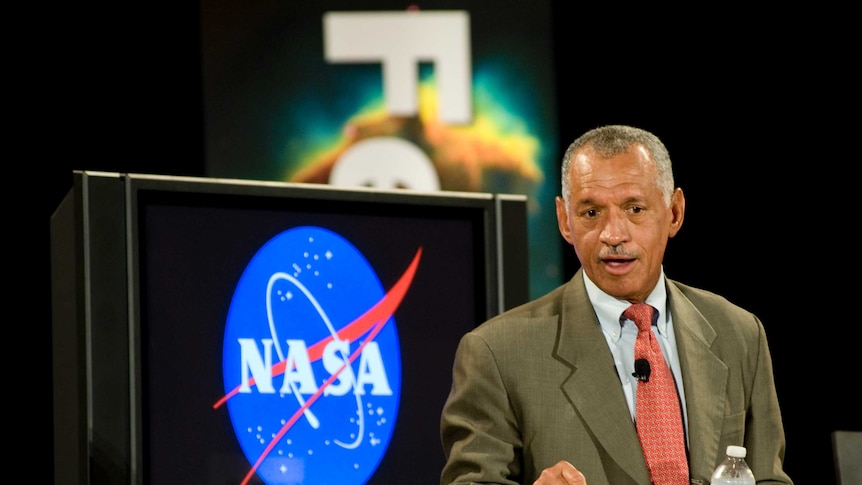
(591, 213)
(636, 209)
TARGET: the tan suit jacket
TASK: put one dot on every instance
(537, 384)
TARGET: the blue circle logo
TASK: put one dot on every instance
(311, 360)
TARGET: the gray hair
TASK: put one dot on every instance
(612, 140)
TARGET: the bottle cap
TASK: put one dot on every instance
(736, 451)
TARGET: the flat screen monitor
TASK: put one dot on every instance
(221, 331)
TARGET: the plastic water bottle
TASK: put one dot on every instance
(733, 470)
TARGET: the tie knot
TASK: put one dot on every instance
(641, 314)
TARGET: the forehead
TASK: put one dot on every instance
(592, 170)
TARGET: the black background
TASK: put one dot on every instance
(757, 108)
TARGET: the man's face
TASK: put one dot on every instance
(618, 222)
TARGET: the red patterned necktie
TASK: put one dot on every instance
(658, 415)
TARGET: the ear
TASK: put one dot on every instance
(677, 211)
(563, 220)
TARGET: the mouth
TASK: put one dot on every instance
(618, 266)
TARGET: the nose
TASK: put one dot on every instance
(615, 230)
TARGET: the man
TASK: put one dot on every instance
(546, 393)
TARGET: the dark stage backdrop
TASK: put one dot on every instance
(757, 112)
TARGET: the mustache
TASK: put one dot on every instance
(616, 252)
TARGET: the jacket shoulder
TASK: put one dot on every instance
(545, 308)
(705, 299)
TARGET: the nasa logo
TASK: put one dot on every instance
(311, 360)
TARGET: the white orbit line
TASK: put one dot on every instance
(312, 419)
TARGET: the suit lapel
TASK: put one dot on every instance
(594, 387)
(704, 377)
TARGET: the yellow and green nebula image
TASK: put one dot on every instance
(494, 153)
(504, 149)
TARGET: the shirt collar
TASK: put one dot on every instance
(608, 308)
